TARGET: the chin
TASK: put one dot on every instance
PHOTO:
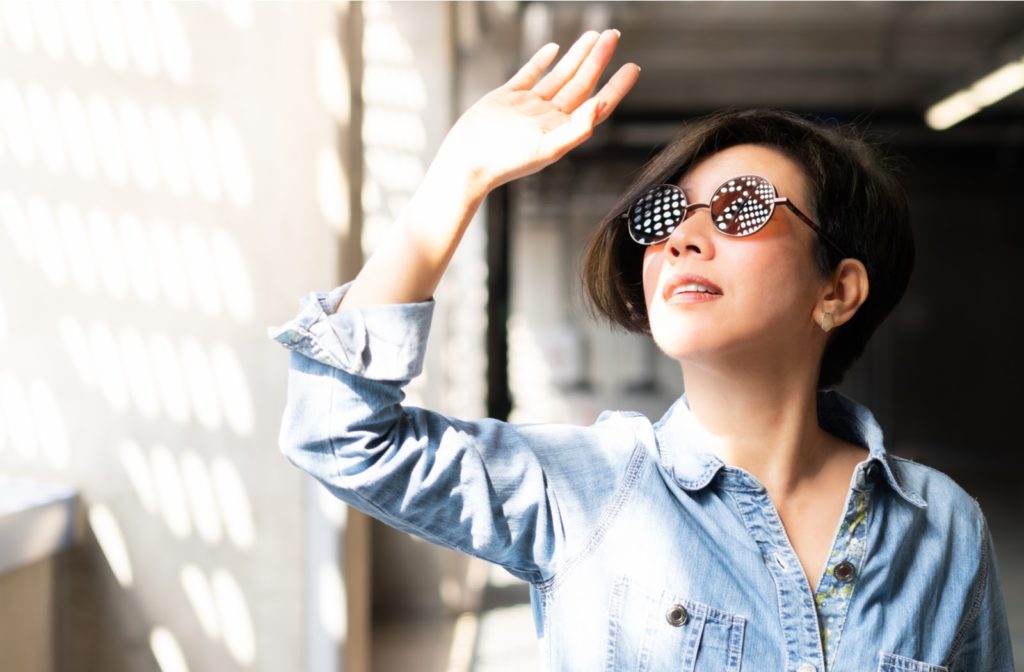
(679, 344)
(680, 337)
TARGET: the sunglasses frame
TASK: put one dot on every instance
(689, 207)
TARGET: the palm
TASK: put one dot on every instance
(526, 124)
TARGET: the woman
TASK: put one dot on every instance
(760, 524)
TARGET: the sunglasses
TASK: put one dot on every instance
(740, 207)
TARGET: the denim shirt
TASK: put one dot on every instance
(644, 551)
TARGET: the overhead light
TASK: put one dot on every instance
(986, 91)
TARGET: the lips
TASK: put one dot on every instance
(690, 286)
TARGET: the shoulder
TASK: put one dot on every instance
(593, 456)
(634, 432)
(629, 421)
(947, 506)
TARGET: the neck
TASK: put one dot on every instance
(763, 420)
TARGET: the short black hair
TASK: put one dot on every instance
(854, 197)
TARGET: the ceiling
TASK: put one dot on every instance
(887, 60)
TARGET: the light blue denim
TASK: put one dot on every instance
(643, 550)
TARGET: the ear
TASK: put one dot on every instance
(846, 292)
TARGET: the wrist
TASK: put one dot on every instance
(451, 168)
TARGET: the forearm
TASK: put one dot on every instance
(408, 266)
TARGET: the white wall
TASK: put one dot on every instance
(169, 186)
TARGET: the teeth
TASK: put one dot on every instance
(692, 287)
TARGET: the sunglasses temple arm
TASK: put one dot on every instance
(807, 220)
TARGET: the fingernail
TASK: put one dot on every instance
(617, 33)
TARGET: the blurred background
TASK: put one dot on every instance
(175, 176)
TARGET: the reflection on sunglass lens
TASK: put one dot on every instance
(656, 214)
(743, 205)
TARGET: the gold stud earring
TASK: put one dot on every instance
(827, 322)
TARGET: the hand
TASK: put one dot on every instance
(526, 124)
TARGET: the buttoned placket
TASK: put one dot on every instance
(804, 637)
(845, 560)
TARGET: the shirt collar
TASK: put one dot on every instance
(684, 446)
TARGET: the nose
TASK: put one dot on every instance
(691, 234)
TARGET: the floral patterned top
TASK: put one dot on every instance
(835, 589)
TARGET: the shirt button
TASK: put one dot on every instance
(677, 615)
(845, 571)
(806, 667)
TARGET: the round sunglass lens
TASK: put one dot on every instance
(743, 205)
(656, 214)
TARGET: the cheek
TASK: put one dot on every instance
(777, 281)
(653, 261)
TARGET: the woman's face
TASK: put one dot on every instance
(766, 283)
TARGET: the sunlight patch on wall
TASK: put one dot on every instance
(110, 35)
(201, 385)
(74, 124)
(200, 270)
(138, 257)
(234, 390)
(201, 498)
(17, 19)
(74, 242)
(46, 242)
(45, 128)
(81, 38)
(167, 651)
(51, 430)
(112, 383)
(136, 466)
(139, 372)
(170, 492)
(170, 381)
(233, 273)
(233, 162)
(239, 13)
(234, 503)
(109, 253)
(107, 136)
(15, 121)
(17, 415)
(15, 224)
(112, 543)
(199, 150)
(200, 596)
(79, 350)
(235, 618)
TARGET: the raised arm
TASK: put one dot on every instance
(516, 130)
(503, 492)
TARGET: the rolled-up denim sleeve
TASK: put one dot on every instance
(507, 493)
(983, 640)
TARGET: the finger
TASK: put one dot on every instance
(537, 64)
(567, 67)
(616, 88)
(578, 89)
